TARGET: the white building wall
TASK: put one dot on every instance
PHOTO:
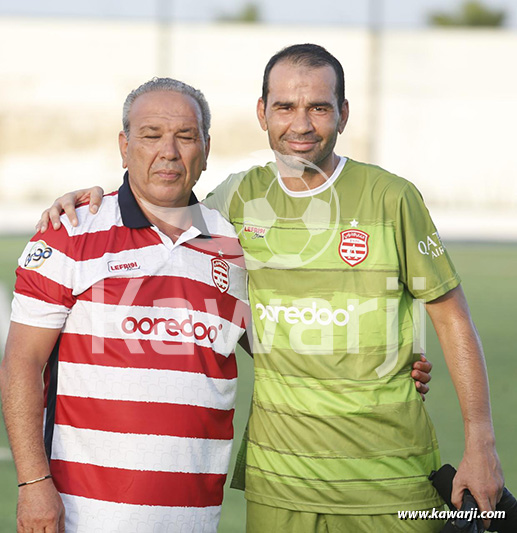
(444, 114)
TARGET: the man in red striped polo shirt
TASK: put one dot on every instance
(133, 316)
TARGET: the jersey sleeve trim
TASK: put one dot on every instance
(33, 312)
(442, 289)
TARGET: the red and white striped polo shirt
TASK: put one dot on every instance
(140, 388)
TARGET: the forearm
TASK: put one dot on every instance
(39, 505)
(26, 353)
(466, 363)
(480, 469)
(22, 405)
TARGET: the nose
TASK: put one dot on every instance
(301, 122)
(169, 148)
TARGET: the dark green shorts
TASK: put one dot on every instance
(265, 519)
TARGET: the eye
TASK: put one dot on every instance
(151, 137)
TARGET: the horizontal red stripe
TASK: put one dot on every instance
(57, 239)
(144, 418)
(96, 243)
(154, 291)
(31, 283)
(114, 240)
(141, 354)
(138, 487)
(86, 202)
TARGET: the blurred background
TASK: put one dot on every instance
(433, 97)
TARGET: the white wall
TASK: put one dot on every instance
(444, 115)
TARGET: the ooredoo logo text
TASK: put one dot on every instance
(170, 326)
(306, 315)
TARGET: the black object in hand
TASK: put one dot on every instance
(442, 482)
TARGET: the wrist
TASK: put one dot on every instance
(477, 430)
(480, 443)
(34, 480)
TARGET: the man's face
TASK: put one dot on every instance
(302, 116)
(165, 153)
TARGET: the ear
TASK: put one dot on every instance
(207, 151)
(122, 144)
(343, 116)
(261, 114)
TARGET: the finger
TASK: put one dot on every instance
(70, 212)
(96, 199)
(484, 505)
(424, 366)
(54, 214)
(61, 528)
(457, 494)
(42, 224)
(423, 377)
(424, 359)
(422, 388)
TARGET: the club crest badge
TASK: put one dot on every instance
(353, 247)
(221, 274)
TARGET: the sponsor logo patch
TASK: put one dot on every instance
(37, 255)
(221, 274)
(121, 266)
(306, 315)
(170, 326)
(256, 231)
(353, 247)
(432, 245)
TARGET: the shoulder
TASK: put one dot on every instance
(254, 176)
(376, 175)
(84, 241)
(216, 223)
(379, 181)
(105, 219)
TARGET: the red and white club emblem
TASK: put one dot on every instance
(221, 274)
(353, 247)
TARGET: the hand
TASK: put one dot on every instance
(480, 472)
(67, 203)
(421, 373)
(40, 509)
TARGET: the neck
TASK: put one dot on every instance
(305, 178)
(172, 221)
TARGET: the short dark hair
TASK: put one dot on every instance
(308, 55)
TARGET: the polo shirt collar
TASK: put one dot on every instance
(133, 217)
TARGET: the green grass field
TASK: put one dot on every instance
(489, 273)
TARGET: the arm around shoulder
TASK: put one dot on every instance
(67, 204)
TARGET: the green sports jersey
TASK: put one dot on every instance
(337, 277)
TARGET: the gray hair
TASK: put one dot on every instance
(168, 84)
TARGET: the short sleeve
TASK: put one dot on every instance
(220, 198)
(425, 266)
(43, 293)
(223, 196)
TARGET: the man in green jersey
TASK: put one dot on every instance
(340, 257)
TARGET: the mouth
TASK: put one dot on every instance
(301, 146)
(168, 174)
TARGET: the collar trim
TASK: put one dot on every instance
(317, 190)
(133, 217)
